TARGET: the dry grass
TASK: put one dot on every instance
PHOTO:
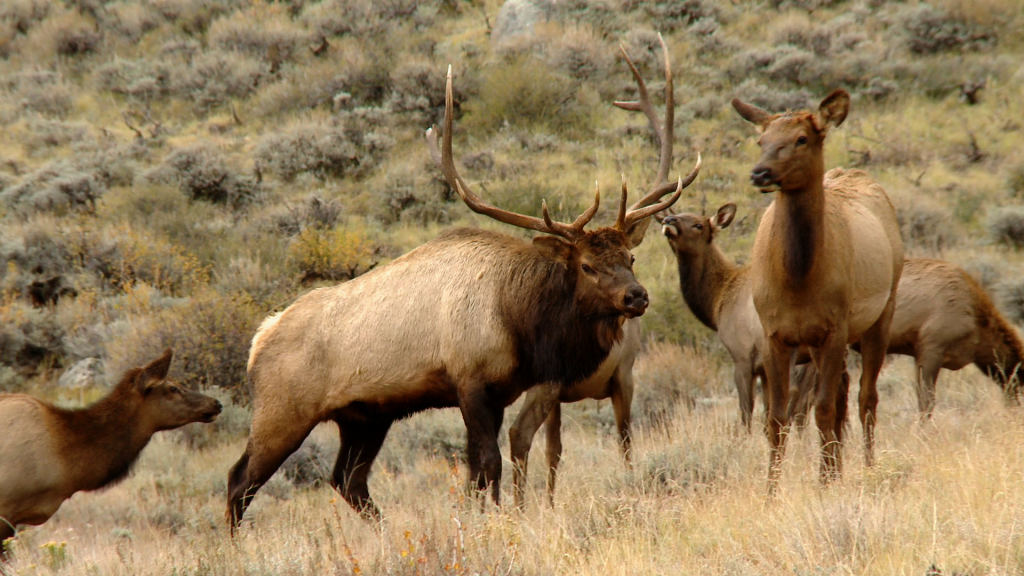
(947, 491)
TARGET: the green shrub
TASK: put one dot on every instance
(527, 94)
(339, 254)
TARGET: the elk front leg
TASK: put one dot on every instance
(483, 416)
(553, 431)
(830, 361)
(743, 376)
(622, 403)
(776, 365)
(539, 403)
(360, 443)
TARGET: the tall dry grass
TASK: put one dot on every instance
(947, 492)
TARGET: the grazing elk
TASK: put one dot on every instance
(49, 453)
(470, 319)
(944, 319)
(614, 378)
(826, 262)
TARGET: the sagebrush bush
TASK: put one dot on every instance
(232, 424)
(201, 173)
(209, 332)
(349, 144)
(144, 79)
(929, 30)
(925, 225)
(672, 14)
(360, 17)
(262, 31)
(31, 339)
(338, 254)
(1006, 225)
(312, 212)
(266, 286)
(1015, 181)
(213, 78)
(22, 15)
(669, 376)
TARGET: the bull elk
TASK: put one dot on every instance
(49, 453)
(470, 319)
(944, 319)
(826, 263)
(614, 378)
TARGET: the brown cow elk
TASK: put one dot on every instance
(718, 293)
(945, 319)
(614, 378)
(471, 320)
(49, 453)
(826, 262)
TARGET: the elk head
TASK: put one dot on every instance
(600, 261)
(692, 233)
(165, 403)
(791, 143)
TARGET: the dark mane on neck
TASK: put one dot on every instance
(556, 340)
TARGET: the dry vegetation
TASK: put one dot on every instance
(173, 170)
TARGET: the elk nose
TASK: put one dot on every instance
(761, 176)
(635, 301)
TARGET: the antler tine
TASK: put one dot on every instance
(620, 220)
(641, 213)
(443, 158)
(665, 136)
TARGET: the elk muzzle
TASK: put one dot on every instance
(764, 178)
(635, 301)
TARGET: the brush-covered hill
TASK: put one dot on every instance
(173, 170)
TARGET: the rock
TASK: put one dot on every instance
(516, 20)
(84, 373)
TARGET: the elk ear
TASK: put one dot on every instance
(636, 232)
(554, 248)
(833, 109)
(155, 371)
(751, 113)
(724, 217)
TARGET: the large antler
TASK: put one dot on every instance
(443, 158)
(663, 133)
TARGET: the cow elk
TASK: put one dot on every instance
(825, 266)
(718, 293)
(49, 453)
(944, 319)
(470, 319)
(614, 378)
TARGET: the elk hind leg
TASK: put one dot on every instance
(553, 435)
(873, 345)
(270, 443)
(360, 443)
(540, 401)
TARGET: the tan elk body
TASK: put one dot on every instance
(49, 453)
(471, 320)
(825, 267)
(945, 319)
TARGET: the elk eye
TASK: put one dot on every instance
(632, 259)
(175, 390)
(801, 141)
(587, 269)
(698, 226)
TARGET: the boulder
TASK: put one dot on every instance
(517, 18)
(84, 373)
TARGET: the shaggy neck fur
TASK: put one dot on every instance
(557, 340)
(703, 279)
(1007, 352)
(102, 441)
(801, 221)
